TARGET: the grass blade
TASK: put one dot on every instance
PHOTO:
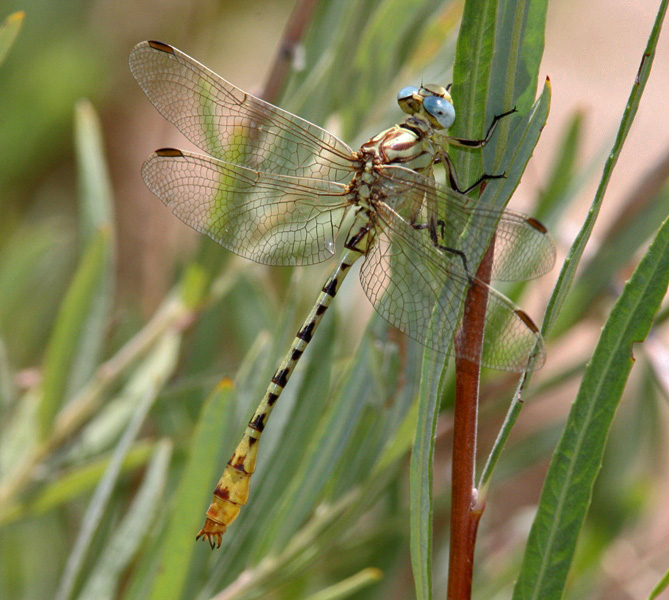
(194, 490)
(69, 330)
(577, 459)
(154, 371)
(104, 582)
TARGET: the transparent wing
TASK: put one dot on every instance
(271, 219)
(523, 248)
(232, 125)
(416, 286)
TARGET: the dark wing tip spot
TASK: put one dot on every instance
(525, 318)
(538, 225)
(161, 46)
(169, 152)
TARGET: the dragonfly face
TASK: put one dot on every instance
(430, 100)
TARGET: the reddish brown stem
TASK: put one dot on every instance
(297, 24)
(465, 511)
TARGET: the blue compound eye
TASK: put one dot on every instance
(407, 101)
(440, 111)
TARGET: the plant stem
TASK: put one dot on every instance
(465, 510)
(298, 22)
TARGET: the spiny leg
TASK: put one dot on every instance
(232, 490)
(465, 143)
(431, 226)
(445, 159)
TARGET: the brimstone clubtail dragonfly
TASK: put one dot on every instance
(275, 188)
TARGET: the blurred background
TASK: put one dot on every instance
(71, 50)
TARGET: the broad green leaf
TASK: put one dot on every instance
(568, 487)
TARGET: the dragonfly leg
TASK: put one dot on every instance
(458, 253)
(465, 143)
(445, 159)
(431, 226)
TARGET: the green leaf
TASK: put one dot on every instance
(96, 210)
(104, 580)
(8, 32)
(661, 586)
(327, 444)
(69, 333)
(349, 586)
(72, 485)
(555, 193)
(95, 192)
(575, 253)
(568, 487)
(8, 391)
(421, 473)
(155, 370)
(178, 544)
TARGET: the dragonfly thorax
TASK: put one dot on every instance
(407, 145)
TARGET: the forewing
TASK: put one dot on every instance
(232, 125)
(271, 219)
(415, 287)
(523, 248)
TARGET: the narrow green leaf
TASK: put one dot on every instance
(160, 365)
(72, 485)
(95, 191)
(8, 31)
(421, 473)
(555, 193)
(69, 329)
(613, 255)
(104, 582)
(96, 210)
(299, 423)
(661, 586)
(349, 586)
(193, 495)
(568, 487)
(575, 253)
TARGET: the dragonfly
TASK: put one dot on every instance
(276, 189)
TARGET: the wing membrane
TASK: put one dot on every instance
(232, 125)
(523, 249)
(271, 219)
(415, 287)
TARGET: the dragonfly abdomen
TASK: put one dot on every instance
(232, 490)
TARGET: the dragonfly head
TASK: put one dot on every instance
(431, 101)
